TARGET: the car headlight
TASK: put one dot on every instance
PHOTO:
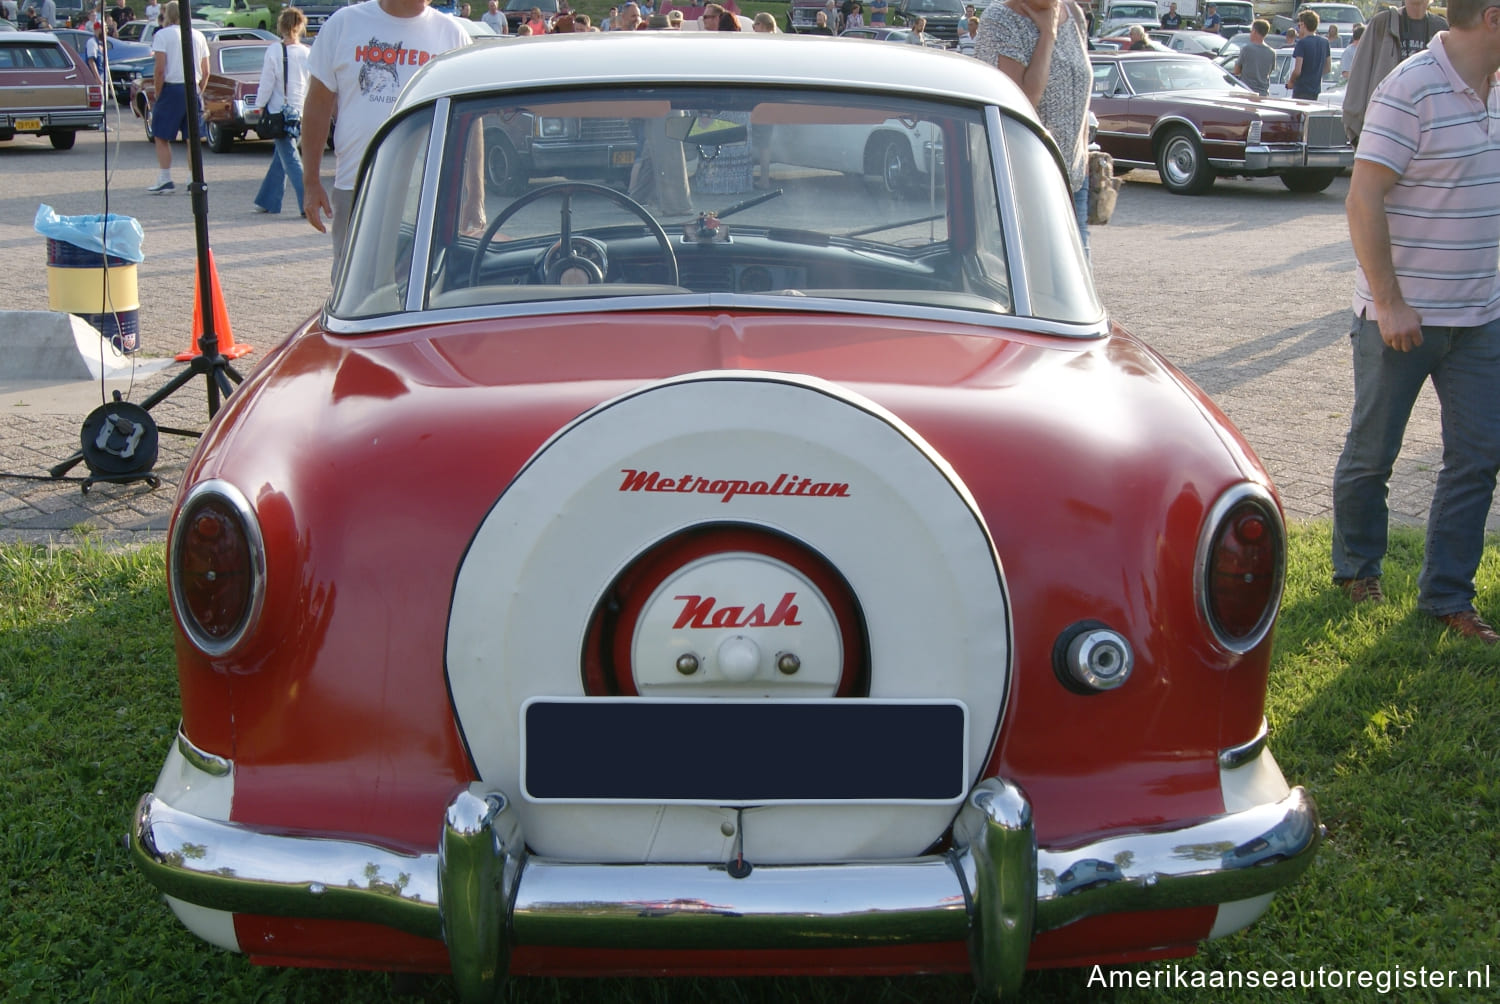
(554, 128)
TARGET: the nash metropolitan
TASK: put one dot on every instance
(1192, 121)
(733, 571)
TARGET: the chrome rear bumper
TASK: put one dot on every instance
(481, 893)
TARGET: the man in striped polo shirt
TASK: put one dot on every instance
(1424, 218)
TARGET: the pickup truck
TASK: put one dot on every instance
(238, 14)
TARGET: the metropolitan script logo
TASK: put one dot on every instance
(786, 485)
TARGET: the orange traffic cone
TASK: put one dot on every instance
(227, 348)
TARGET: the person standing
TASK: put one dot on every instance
(968, 38)
(1394, 34)
(1309, 58)
(1211, 20)
(878, 10)
(283, 88)
(1346, 60)
(1171, 20)
(153, 11)
(120, 15)
(495, 18)
(918, 34)
(1256, 59)
(1040, 44)
(48, 12)
(365, 54)
(1424, 219)
(169, 112)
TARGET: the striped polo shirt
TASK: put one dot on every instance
(1432, 129)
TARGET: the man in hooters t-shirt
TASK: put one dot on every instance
(365, 54)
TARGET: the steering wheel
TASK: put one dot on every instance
(564, 256)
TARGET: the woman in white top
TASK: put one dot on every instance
(283, 87)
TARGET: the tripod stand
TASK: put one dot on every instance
(209, 362)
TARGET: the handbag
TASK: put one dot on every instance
(284, 124)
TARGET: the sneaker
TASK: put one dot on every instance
(260, 209)
(1470, 625)
(1366, 590)
(162, 188)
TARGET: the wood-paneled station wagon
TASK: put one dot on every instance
(735, 571)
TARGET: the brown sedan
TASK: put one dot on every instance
(46, 89)
(1192, 121)
(233, 76)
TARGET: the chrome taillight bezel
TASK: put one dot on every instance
(1259, 497)
(250, 526)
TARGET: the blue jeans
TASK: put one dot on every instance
(286, 165)
(1464, 366)
(1081, 211)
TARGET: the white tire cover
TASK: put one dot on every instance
(906, 536)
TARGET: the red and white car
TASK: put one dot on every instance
(789, 580)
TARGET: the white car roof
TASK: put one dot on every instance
(710, 58)
(32, 36)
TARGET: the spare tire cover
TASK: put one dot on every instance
(903, 531)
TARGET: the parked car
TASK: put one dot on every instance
(239, 14)
(943, 17)
(1192, 43)
(885, 33)
(233, 76)
(149, 30)
(1235, 16)
(318, 11)
(802, 16)
(46, 89)
(525, 145)
(1118, 15)
(131, 31)
(798, 583)
(1193, 121)
(128, 61)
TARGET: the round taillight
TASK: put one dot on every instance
(1242, 564)
(216, 566)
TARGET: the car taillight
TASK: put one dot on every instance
(96, 96)
(216, 566)
(1241, 567)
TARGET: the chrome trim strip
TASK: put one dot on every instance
(1010, 223)
(987, 890)
(1234, 757)
(241, 505)
(421, 249)
(209, 763)
(716, 301)
(1231, 498)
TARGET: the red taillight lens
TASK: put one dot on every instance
(1243, 573)
(96, 96)
(215, 566)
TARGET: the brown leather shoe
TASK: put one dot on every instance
(1366, 590)
(1470, 625)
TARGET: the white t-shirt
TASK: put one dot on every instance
(268, 93)
(169, 42)
(496, 20)
(365, 57)
(152, 9)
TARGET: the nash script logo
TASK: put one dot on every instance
(726, 489)
(699, 612)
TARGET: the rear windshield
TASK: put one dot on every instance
(242, 58)
(41, 55)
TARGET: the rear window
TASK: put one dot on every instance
(28, 55)
(242, 58)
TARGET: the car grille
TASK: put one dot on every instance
(605, 131)
(1326, 130)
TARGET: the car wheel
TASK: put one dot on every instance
(889, 165)
(1180, 162)
(1310, 181)
(145, 112)
(504, 174)
(219, 138)
(63, 140)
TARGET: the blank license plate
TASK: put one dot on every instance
(744, 752)
(623, 158)
(23, 124)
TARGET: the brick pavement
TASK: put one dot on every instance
(1245, 289)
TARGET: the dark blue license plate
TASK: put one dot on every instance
(738, 752)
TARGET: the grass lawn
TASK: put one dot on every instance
(1391, 723)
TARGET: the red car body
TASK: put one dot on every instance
(334, 554)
